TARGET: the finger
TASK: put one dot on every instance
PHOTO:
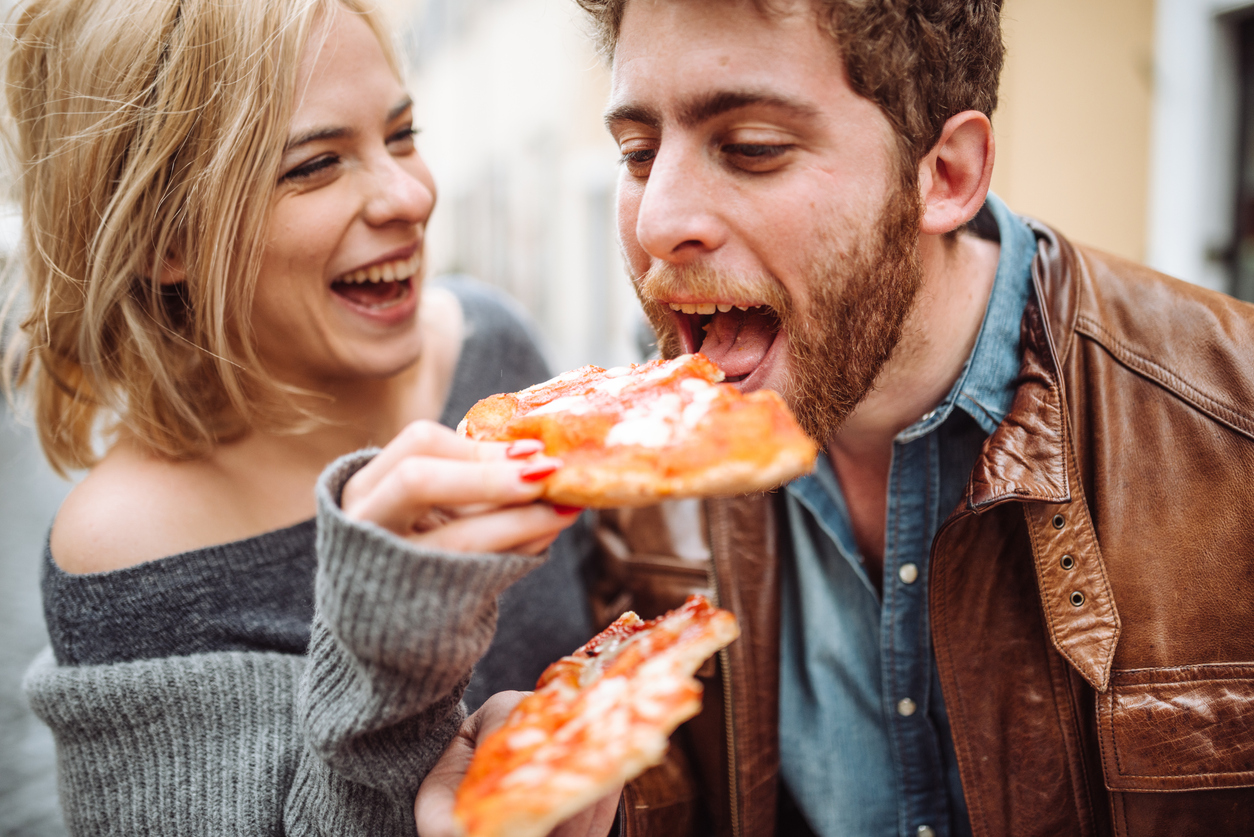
(424, 438)
(494, 711)
(594, 821)
(506, 530)
(433, 807)
(418, 482)
(537, 546)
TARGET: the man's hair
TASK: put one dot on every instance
(143, 128)
(921, 61)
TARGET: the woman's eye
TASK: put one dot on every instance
(638, 162)
(405, 136)
(307, 170)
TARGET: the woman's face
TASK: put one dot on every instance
(337, 297)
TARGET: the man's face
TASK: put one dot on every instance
(765, 215)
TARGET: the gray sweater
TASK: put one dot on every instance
(183, 697)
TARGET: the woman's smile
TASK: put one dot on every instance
(383, 291)
(339, 290)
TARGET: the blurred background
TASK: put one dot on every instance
(1127, 124)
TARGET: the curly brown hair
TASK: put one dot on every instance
(921, 61)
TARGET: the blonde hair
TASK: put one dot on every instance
(144, 128)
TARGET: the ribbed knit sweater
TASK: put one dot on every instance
(184, 700)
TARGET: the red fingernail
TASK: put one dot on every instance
(524, 448)
(566, 509)
(537, 471)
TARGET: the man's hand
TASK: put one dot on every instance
(433, 809)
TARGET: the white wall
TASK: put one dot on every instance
(1194, 140)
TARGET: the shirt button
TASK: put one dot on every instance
(909, 573)
(906, 707)
(928, 416)
(926, 831)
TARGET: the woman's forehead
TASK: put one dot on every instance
(344, 71)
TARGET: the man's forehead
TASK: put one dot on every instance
(690, 60)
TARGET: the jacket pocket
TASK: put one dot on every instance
(1178, 729)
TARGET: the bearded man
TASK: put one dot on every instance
(1016, 597)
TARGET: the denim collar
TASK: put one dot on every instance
(986, 387)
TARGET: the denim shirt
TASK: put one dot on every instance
(865, 743)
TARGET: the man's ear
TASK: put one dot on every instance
(954, 175)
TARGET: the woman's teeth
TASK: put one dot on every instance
(707, 307)
(386, 272)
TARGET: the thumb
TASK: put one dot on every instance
(433, 807)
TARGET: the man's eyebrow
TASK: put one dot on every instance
(633, 113)
(707, 107)
(316, 134)
(698, 110)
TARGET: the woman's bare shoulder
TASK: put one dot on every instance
(134, 507)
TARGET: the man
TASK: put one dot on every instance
(1015, 597)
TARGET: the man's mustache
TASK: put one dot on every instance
(667, 281)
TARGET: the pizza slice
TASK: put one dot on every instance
(598, 718)
(634, 435)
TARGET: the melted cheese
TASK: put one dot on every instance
(573, 404)
(650, 425)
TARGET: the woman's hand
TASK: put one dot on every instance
(433, 809)
(440, 490)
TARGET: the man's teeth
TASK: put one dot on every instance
(386, 272)
(707, 307)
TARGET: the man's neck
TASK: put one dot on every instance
(937, 339)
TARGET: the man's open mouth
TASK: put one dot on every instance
(379, 286)
(734, 336)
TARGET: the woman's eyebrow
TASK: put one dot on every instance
(315, 134)
(404, 105)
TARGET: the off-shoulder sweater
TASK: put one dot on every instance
(304, 681)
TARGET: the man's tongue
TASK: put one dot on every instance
(737, 341)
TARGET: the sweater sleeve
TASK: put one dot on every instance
(255, 743)
(396, 632)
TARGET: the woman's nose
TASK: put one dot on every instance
(400, 191)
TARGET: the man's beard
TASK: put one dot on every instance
(860, 294)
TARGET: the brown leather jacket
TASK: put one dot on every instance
(1092, 600)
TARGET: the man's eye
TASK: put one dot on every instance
(753, 151)
(307, 170)
(639, 161)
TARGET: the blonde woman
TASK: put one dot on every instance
(224, 214)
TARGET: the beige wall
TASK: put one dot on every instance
(1073, 126)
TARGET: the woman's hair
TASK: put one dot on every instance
(145, 129)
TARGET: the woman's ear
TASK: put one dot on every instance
(169, 270)
(954, 175)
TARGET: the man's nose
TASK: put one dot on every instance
(678, 219)
(397, 194)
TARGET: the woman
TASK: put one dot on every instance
(224, 215)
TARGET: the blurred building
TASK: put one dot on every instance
(1121, 122)
(509, 97)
